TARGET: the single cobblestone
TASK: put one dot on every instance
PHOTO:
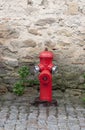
(52, 127)
(1, 128)
(42, 117)
(20, 125)
(9, 125)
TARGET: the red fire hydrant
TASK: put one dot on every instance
(46, 68)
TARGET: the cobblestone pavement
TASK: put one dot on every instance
(17, 114)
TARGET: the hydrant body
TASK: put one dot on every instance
(45, 76)
(46, 68)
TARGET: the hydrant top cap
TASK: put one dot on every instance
(46, 54)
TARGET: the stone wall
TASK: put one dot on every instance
(28, 26)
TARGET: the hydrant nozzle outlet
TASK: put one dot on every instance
(54, 69)
(36, 69)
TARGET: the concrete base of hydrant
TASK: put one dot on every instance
(37, 101)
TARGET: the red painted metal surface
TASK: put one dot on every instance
(45, 76)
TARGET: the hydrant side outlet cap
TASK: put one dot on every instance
(45, 77)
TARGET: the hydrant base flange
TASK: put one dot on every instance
(37, 102)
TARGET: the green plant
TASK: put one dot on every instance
(23, 73)
(18, 88)
(20, 85)
(24, 81)
(84, 76)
